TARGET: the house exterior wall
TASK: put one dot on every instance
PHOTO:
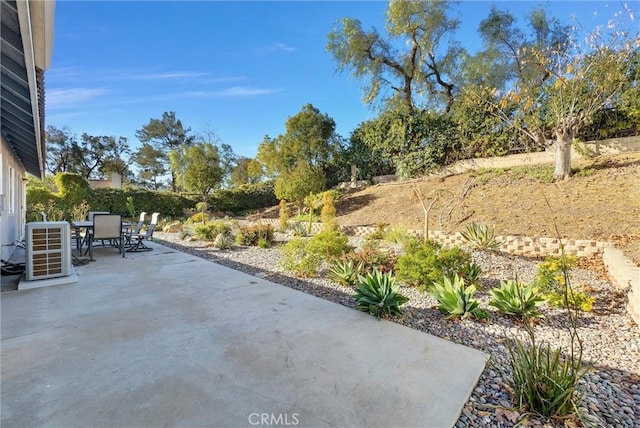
(12, 199)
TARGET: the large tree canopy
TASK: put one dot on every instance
(310, 139)
(164, 135)
(412, 65)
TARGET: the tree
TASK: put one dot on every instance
(203, 171)
(400, 76)
(151, 168)
(165, 135)
(91, 157)
(310, 139)
(63, 151)
(573, 79)
(298, 183)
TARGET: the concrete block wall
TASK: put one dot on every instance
(624, 273)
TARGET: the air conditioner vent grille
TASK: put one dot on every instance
(48, 250)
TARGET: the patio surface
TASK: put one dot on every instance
(163, 338)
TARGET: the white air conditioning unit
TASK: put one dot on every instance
(48, 250)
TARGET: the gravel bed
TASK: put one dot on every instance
(611, 340)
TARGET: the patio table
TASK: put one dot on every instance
(87, 225)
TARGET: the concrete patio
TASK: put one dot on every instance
(163, 338)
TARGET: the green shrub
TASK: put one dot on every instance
(575, 299)
(481, 236)
(550, 276)
(263, 243)
(199, 217)
(543, 381)
(377, 234)
(298, 259)
(456, 300)
(304, 256)
(517, 300)
(377, 293)
(168, 204)
(345, 272)
(329, 243)
(373, 258)
(250, 235)
(210, 230)
(424, 263)
(244, 198)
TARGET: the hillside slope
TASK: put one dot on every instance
(602, 201)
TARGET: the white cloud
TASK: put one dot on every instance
(235, 91)
(67, 98)
(277, 47)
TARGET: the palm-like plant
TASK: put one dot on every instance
(377, 293)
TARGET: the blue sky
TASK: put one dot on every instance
(238, 68)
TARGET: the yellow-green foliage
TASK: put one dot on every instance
(284, 214)
(550, 276)
(576, 299)
(198, 218)
(328, 213)
(551, 280)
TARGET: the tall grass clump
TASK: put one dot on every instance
(545, 379)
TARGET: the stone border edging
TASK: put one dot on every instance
(624, 273)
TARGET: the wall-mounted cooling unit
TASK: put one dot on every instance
(48, 250)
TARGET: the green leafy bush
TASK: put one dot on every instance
(297, 258)
(424, 263)
(244, 198)
(250, 235)
(543, 381)
(199, 217)
(575, 298)
(304, 256)
(329, 243)
(168, 204)
(517, 300)
(377, 293)
(551, 279)
(210, 230)
(456, 300)
(345, 272)
(481, 236)
(263, 243)
(550, 276)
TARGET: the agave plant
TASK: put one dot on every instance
(456, 300)
(224, 240)
(345, 272)
(516, 299)
(481, 236)
(377, 293)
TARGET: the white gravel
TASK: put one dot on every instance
(611, 339)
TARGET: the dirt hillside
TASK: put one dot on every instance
(601, 201)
